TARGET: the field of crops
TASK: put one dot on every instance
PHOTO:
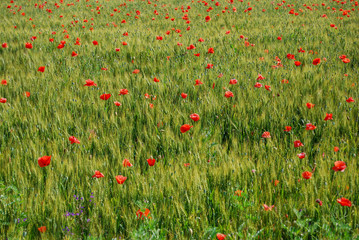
(169, 119)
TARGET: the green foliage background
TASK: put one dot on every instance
(223, 148)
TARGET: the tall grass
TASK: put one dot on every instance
(224, 148)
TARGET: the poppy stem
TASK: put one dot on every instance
(315, 165)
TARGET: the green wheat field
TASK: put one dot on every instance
(171, 119)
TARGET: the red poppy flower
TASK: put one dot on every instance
(344, 202)
(319, 202)
(27, 94)
(184, 128)
(301, 155)
(287, 128)
(41, 69)
(90, 83)
(346, 60)
(316, 61)
(210, 50)
(198, 82)
(209, 66)
(279, 38)
(276, 182)
(126, 163)
(260, 77)
(140, 214)
(120, 179)
(267, 87)
(44, 161)
(28, 45)
(306, 175)
(310, 105)
(123, 91)
(297, 63)
(136, 71)
(238, 193)
(184, 95)
(117, 103)
(151, 161)
(339, 166)
(258, 85)
(191, 47)
(233, 81)
(343, 57)
(4, 45)
(290, 56)
(105, 96)
(74, 54)
(147, 212)
(73, 140)
(207, 18)
(268, 208)
(3, 82)
(266, 135)
(329, 116)
(60, 46)
(228, 94)
(98, 174)
(349, 100)
(220, 236)
(298, 143)
(194, 117)
(42, 229)
(336, 149)
(95, 43)
(310, 126)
